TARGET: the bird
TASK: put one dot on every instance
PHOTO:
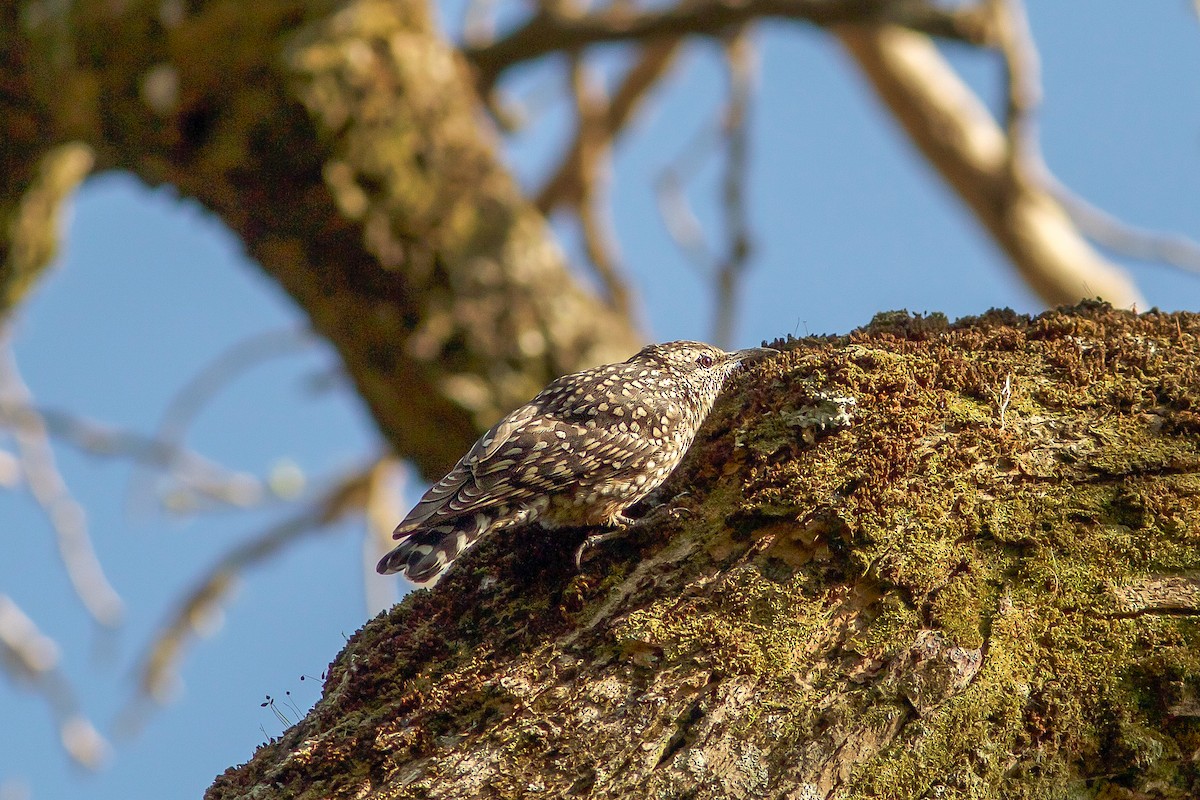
(581, 452)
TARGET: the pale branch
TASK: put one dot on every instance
(1024, 85)
(385, 507)
(200, 605)
(25, 652)
(190, 469)
(742, 64)
(594, 166)
(64, 513)
(549, 30)
(30, 658)
(680, 221)
(1131, 241)
(725, 264)
(199, 391)
(563, 188)
(479, 21)
(957, 135)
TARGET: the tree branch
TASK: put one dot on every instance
(550, 30)
(955, 132)
(348, 157)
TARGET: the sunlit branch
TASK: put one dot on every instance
(46, 485)
(722, 264)
(203, 603)
(30, 658)
(741, 60)
(187, 467)
(1024, 86)
(959, 137)
(593, 167)
(385, 496)
(1129, 240)
(563, 188)
(550, 30)
(670, 191)
(210, 381)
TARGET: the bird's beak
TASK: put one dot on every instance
(753, 354)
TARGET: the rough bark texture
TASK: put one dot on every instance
(967, 592)
(343, 144)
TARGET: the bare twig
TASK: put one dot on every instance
(1129, 240)
(563, 188)
(479, 22)
(46, 484)
(723, 266)
(1003, 398)
(741, 58)
(681, 222)
(592, 165)
(199, 392)
(31, 657)
(1023, 78)
(192, 470)
(202, 603)
(25, 651)
(551, 31)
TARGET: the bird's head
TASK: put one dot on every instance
(699, 368)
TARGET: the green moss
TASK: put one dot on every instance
(932, 602)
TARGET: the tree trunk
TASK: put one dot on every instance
(921, 560)
(343, 144)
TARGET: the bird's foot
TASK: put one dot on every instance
(622, 523)
(666, 511)
(597, 538)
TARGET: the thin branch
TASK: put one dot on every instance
(741, 59)
(592, 164)
(31, 658)
(479, 22)
(1131, 241)
(563, 189)
(956, 134)
(385, 492)
(682, 224)
(1023, 78)
(203, 602)
(195, 472)
(549, 31)
(726, 267)
(46, 485)
(210, 381)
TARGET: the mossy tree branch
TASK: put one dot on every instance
(970, 591)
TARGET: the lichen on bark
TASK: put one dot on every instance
(941, 600)
(343, 144)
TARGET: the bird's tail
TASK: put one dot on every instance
(426, 553)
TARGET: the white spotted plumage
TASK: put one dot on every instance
(590, 445)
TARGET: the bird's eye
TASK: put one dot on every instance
(705, 361)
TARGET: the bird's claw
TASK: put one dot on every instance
(594, 539)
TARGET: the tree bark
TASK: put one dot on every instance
(343, 143)
(921, 560)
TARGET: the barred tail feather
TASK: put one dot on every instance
(424, 554)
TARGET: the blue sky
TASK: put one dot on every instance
(151, 288)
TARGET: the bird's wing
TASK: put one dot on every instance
(487, 475)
